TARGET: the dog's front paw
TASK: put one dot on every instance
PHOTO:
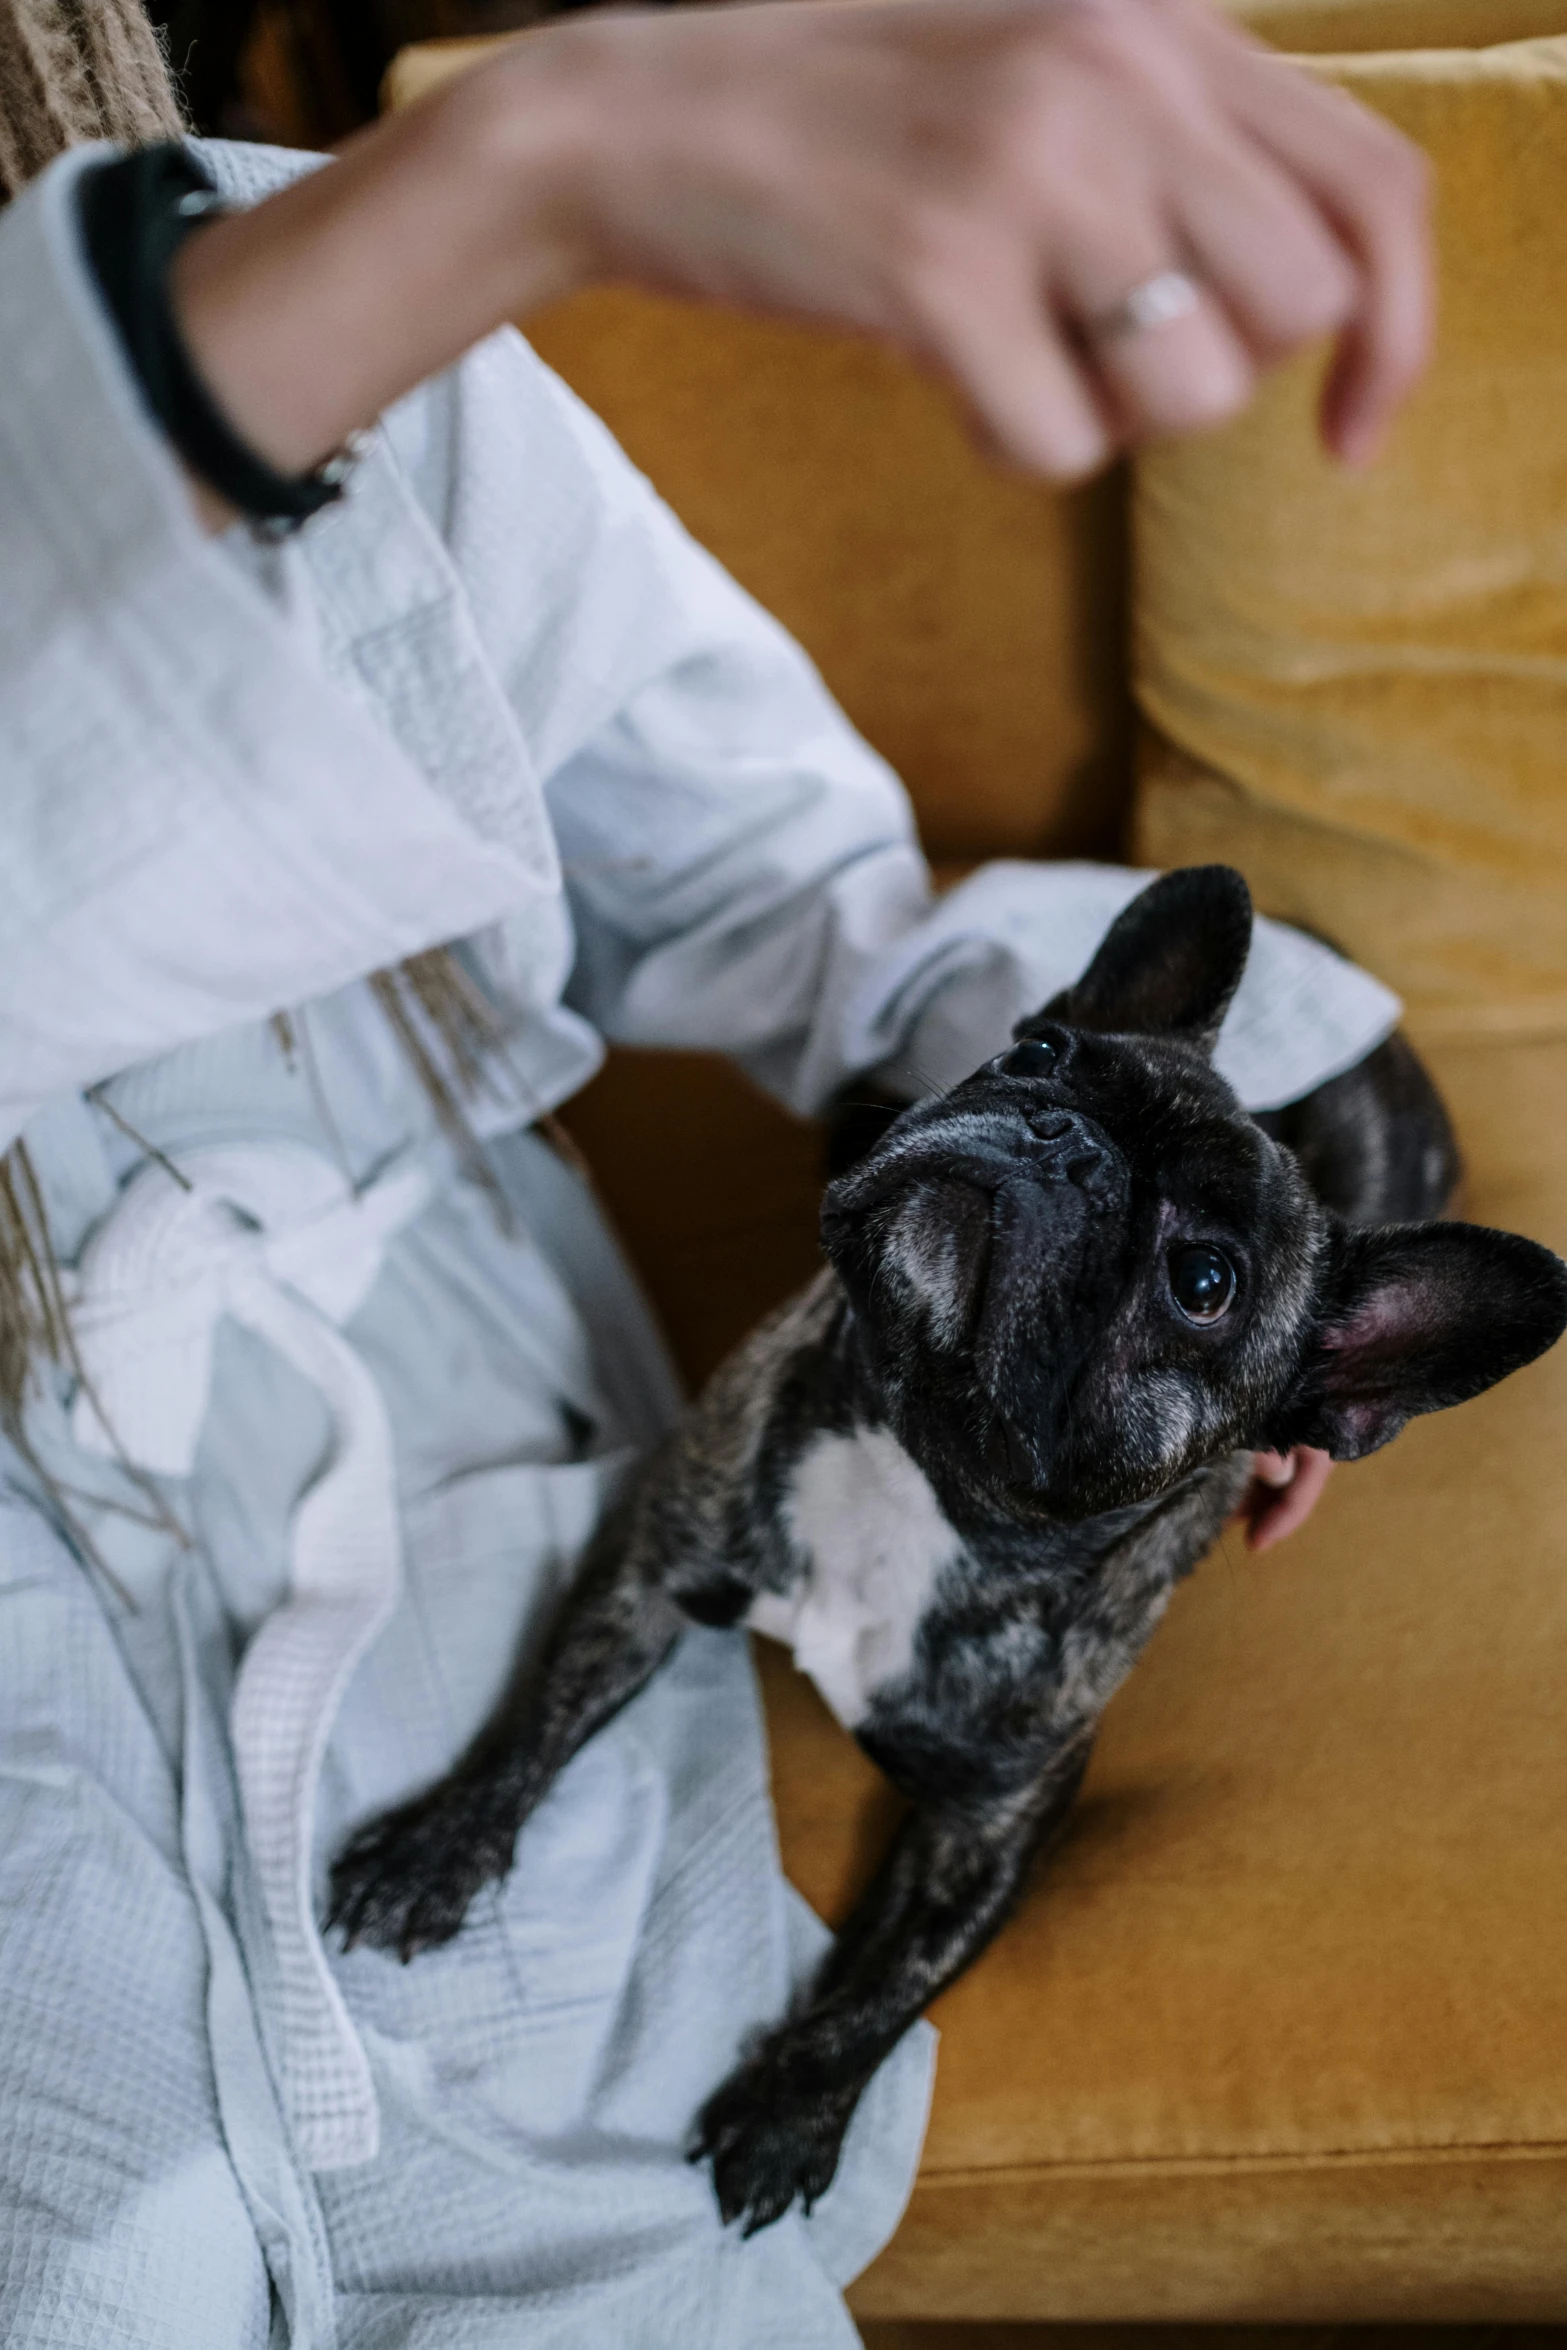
(768, 2145)
(405, 1882)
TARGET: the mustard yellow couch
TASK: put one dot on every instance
(1282, 2034)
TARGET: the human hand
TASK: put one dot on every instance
(1284, 1491)
(986, 181)
(981, 181)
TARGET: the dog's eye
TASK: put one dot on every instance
(1036, 1056)
(1202, 1282)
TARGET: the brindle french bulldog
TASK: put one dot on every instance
(961, 1473)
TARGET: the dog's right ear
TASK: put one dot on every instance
(1416, 1317)
(1168, 964)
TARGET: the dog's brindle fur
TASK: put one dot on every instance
(963, 1471)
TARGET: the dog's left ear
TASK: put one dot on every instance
(1419, 1316)
(1168, 964)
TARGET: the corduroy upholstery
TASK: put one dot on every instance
(1357, 686)
(1283, 2032)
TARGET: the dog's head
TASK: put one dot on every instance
(1085, 1270)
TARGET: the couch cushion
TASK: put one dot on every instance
(712, 1187)
(970, 622)
(1323, 27)
(1358, 685)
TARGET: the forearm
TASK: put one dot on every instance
(311, 313)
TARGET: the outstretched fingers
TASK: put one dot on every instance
(1158, 212)
(1371, 190)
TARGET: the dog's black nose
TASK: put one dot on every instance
(1076, 1151)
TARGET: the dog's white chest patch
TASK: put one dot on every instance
(876, 1541)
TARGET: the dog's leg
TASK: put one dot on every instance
(405, 1881)
(775, 2129)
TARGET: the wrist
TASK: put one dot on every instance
(523, 133)
(507, 152)
(134, 214)
(310, 314)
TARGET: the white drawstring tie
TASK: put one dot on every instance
(273, 1235)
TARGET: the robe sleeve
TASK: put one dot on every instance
(198, 823)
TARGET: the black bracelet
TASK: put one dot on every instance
(135, 214)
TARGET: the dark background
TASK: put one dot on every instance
(306, 72)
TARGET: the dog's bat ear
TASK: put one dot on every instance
(1169, 962)
(1419, 1316)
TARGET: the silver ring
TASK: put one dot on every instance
(1160, 300)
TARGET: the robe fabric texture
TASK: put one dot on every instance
(349, 1413)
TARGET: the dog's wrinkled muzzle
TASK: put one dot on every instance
(1056, 1245)
(1014, 1229)
(986, 1153)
